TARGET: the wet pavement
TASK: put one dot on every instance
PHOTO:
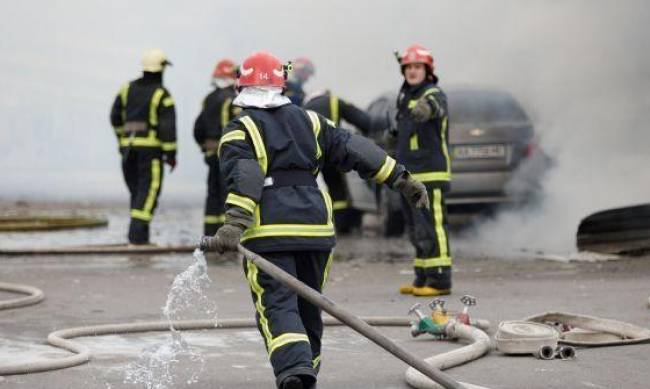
(85, 290)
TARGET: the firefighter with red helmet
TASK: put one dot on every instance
(144, 119)
(217, 110)
(270, 155)
(422, 146)
(303, 69)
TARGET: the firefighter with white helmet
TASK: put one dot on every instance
(270, 156)
(144, 120)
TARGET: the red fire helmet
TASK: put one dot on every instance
(225, 69)
(262, 69)
(417, 54)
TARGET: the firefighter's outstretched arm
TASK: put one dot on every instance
(244, 180)
(351, 114)
(353, 152)
(432, 105)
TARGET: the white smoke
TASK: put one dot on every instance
(581, 67)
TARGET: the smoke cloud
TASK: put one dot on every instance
(581, 69)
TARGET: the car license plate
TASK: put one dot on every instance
(479, 152)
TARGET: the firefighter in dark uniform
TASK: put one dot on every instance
(303, 69)
(144, 120)
(422, 146)
(270, 156)
(334, 108)
(216, 113)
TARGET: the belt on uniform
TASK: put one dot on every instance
(133, 127)
(290, 178)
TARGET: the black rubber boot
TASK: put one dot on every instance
(292, 382)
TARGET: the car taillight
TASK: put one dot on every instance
(530, 149)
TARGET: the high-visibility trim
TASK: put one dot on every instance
(341, 204)
(119, 130)
(413, 142)
(141, 215)
(431, 176)
(168, 101)
(146, 212)
(334, 109)
(153, 106)
(432, 262)
(438, 216)
(214, 219)
(229, 137)
(326, 273)
(258, 143)
(225, 112)
(285, 339)
(385, 170)
(168, 146)
(124, 96)
(252, 274)
(241, 201)
(315, 124)
(443, 138)
(412, 103)
(150, 141)
(315, 362)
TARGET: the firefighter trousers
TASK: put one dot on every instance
(215, 200)
(429, 234)
(290, 326)
(143, 173)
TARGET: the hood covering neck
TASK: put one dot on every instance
(261, 97)
(223, 82)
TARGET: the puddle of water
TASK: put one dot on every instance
(174, 363)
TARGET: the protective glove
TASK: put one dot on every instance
(414, 191)
(229, 235)
(422, 110)
(170, 159)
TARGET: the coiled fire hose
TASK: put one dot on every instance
(34, 295)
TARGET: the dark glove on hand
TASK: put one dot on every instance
(414, 191)
(170, 159)
(229, 235)
(422, 110)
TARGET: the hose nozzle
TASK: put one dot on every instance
(566, 353)
(207, 243)
(546, 353)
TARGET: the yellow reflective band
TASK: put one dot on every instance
(119, 130)
(326, 273)
(138, 214)
(298, 230)
(385, 170)
(214, 219)
(431, 176)
(432, 262)
(285, 339)
(225, 112)
(315, 124)
(257, 289)
(412, 103)
(153, 187)
(438, 222)
(334, 109)
(168, 101)
(443, 137)
(341, 204)
(169, 146)
(315, 362)
(230, 136)
(413, 142)
(328, 205)
(258, 143)
(241, 201)
(153, 106)
(124, 95)
(150, 141)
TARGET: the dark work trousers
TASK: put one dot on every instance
(143, 173)
(291, 327)
(428, 232)
(214, 202)
(346, 218)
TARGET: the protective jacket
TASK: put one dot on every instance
(270, 159)
(216, 112)
(143, 116)
(336, 109)
(423, 147)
